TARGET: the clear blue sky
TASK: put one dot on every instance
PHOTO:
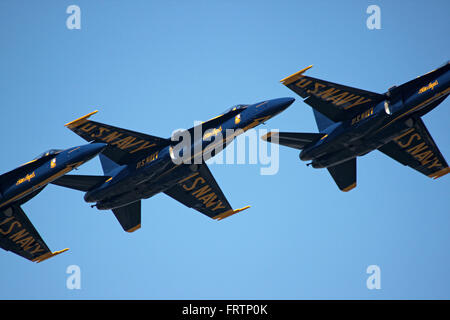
(154, 66)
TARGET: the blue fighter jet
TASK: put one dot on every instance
(137, 166)
(17, 234)
(353, 122)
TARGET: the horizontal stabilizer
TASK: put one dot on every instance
(80, 182)
(344, 174)
(129, 216)
(296, 140)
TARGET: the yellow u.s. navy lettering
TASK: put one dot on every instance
(419, 150)
(203, 192)
(362, 116)
(148, 159)
(21, 237)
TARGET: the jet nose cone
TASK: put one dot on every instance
(280, 104)
(290, 100)
(286, 102)
(89, 151)
(96, 148)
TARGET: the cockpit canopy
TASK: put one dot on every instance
(47, 153)
(236, 107)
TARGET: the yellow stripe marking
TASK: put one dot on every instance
(267, 136)
(350, 187)
(187, 178)
(294, 77)
(77, 122)
(48, 255)
(440, 173)
(134, 228)
(28, 162)
(228, 213)
(213, 118)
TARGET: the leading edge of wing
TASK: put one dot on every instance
(294, 77)
(335, 101)
(229, 213)
(78, 122)
(124, 145)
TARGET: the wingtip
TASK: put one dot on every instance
(229, 213)
(49, 255)
(79, 121)
(440, 173)
(295, 76)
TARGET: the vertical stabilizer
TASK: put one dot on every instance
(107, 164)
(322, 121)
(344, 174)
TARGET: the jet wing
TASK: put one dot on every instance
(201, 192)
(337, 102)
(17, 234)
(123, 145)
(416, 148)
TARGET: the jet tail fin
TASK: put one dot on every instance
(129, 216)
(322, 121)
(344, 174)
(108, 165)
(296, 140)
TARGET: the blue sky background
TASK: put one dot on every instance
(154, 66)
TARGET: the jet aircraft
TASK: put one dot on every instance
(137, 166)
(353, 122)
(17, 234)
